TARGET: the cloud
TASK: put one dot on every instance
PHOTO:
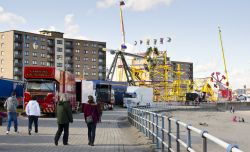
(10, 18)
(136, 5)
(72, 29)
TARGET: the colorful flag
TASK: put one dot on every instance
(148, 41)
(122, 3)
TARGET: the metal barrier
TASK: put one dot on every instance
(160, 129)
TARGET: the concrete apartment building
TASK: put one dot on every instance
(49, 48)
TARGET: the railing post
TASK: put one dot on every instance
(146, 118)
(140, 120)
(204, 141)
(143, 122)
(177, 136)
(153, 127)
(169, 136)
(162, 133)
(149, 125)
(188, 136)
(157, 131)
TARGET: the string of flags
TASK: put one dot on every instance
(154, 41)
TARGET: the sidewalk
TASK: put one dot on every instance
(114, 134)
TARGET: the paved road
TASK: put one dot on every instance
(114, 134)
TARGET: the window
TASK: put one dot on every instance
(26, 62)
(85, 44)
(43, 47)
(85, 66)
(43, 55)
(27, 37)
(2, 52)
(93, 73)
(77, 65)
(93, 59)
(34, 54)
(2, 45)
(2, 61)
(43, 39)
(35, 38)
(77, 73)
(77, 51)
(85, 59)
(26, 53)
(77, 43)
(77, 58)
(85, 52)
(2, 36)
(34, 62)
(93, 52)
(2, 69)
(59, 64)
(27, 45)
(93, 66)
(58, 49)
(59, 42)
(86, 73)
(43, 63)
(59, 57)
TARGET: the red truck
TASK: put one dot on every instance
(46, 83)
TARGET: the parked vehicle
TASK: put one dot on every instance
(46, 83)
(7, 86)
(107, 93)
(138, 96)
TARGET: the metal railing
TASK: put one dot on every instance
(171, 135)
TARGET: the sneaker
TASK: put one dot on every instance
(29, 132)
(7, 132)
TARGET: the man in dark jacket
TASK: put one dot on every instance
(64, 117)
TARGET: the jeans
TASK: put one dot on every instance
(61, 128)
(91, 132)
(12, 116)
(35, 120)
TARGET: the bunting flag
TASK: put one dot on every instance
(141, 41)
(155, 41)
(161, 40)
(148, 41)
(135, 43)
(122, 3)
(169, 39)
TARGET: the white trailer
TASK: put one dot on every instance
(138, 96)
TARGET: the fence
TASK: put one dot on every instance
(166, 132)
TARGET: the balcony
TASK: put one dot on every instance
(50, 43)
(18, 39)
(69, 61)
(18, 64)
(50, 60)
(71, 69)
(69, 46)
(18, 56)
(18, 47)
(50, 52)
(17, 73)
(68, 53)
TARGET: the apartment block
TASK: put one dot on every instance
(86, 59)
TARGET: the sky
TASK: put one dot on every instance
(192, 26)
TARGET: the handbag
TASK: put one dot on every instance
(89, 119)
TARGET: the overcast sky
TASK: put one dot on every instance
(191, 24)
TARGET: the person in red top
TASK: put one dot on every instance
(92, 116)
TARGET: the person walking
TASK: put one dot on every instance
(64, 117)
(33, 112)
(92, 115)
(11, 104)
